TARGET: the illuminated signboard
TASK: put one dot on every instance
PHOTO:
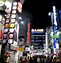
(5, 36)
(1, 2)
(6, 30)
(6, 25)
(38, 39)
(11, 36)
(14, 11)
(10, 41)
(28, 33)
(11, 30)
(37, 35)
(13, 16)
(1, 35)
(12, 25)
(20, 49)
(13, 20)
(15, 3)
(19, 7)
(37, 30)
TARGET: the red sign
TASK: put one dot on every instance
(1, 35)
(28, 26)
(28, 33)
(28, 38)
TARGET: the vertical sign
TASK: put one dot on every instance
(54, 28)
(19, 7)
(12, 23)
(1, 35)
(28, 33)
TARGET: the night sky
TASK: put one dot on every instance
(39, 10)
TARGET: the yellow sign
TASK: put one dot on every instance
(6, 25)
(20, 49)
(12, 25)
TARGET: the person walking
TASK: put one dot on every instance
(38, 60)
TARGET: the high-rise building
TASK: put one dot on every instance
(24, 30)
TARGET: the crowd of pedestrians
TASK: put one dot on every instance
(34, 59)
(39, 59)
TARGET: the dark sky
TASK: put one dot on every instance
(39, 10)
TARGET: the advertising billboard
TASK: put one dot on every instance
(37, 35)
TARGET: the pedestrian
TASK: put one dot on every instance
(21, 60)
(47, 59)
(54, 60)
(25, 60)
(42, 60)
(31, 60)
(8, 59)
(38, 60)
(35, 59)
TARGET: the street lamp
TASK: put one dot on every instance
(22, 22)
(20, 18)
(49, 14)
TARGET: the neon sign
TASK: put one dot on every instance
(37, 30)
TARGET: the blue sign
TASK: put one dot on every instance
(54, 42)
